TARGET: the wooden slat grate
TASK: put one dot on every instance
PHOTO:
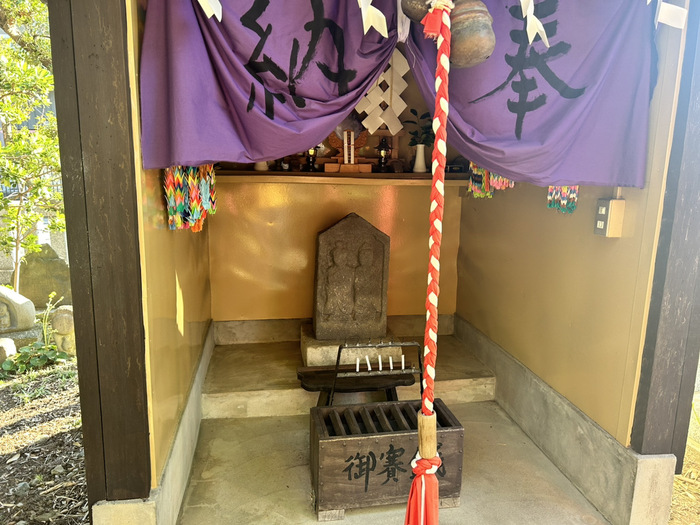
(377, 418)
(337, 424)
(370, 427)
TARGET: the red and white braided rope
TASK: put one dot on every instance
(437, 202)
(423, 499)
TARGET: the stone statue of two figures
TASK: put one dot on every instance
(352, 289)
(350, 292)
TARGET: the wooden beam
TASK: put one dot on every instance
(670, 358)
(89, 43)
(77, 239)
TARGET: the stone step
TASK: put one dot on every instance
(259, 380)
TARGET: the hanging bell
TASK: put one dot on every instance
(415, 9)
(473, 39)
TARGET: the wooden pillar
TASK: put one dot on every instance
(89, 46)
(672, 343)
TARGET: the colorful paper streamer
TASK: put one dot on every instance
(190, 195)
(562, 198)
(482, 182)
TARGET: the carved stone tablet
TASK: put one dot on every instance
(350, 289)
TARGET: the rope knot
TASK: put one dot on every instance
(441, 4)
(422, 466)
(434, 19)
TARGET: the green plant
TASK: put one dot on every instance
(46, 329)
(423, 132)
(27, 393)
(67, 378)
(39, 354)
(32, 357)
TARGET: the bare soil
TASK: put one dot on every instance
(42, 468)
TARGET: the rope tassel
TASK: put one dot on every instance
(423, 500)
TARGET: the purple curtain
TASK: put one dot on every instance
(573, 113)
(272, 79)
(275, 79)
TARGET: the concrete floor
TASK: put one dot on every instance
(272, 366)
(256, 470)
(260, 379)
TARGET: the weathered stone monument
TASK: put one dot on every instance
(64, 329)
(350, 293)
(17, 318)
(42, 273)
(352, 273)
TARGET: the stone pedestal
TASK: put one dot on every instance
(25, 337)
(324, 353)
(17, 318)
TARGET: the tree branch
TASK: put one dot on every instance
(28, 44)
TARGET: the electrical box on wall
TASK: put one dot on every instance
(608, 218)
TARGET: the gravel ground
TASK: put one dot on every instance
(685, 509)
(42, 474)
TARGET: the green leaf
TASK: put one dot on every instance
(8, 365)
(51, 354)
(62, 355)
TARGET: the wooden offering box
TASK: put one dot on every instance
(361, 455)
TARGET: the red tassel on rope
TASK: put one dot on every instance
(431, 23)
(424, 498)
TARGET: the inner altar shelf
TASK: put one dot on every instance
(357, 179)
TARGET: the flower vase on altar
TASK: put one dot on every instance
(419, 164)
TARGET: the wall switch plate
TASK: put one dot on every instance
(609, 216)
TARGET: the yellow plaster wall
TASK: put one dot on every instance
(178, 312)
(176, 297)
(558, 298)
(571, 305)
(264, 243)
